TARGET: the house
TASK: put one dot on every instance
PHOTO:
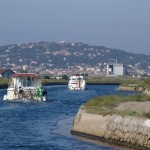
(6, 73)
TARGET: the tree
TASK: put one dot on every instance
(65, 77)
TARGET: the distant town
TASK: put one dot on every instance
(66, 58)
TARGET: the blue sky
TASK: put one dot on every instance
(121, 24)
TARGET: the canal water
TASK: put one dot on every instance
(27, 125)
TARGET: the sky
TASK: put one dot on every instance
(120, 24)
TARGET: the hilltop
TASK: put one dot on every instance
(44, 56)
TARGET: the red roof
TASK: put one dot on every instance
(26, 75)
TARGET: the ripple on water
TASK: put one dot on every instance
(47, 125)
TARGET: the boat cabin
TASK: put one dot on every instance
(25, 86)
(25, 80)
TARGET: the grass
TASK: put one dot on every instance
(147, 115)
(105, 105)
(123, 80)
(144, 83)
(47, 81)
(130, 113)
(92, 80)
(3, 81)
(118, 79)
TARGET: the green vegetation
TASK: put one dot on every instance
(105, 105)
(126, 81)
(115, 79)
(54, 81)
(147, 115)
(4, 81)
(65, 77)
(94, 80)
(143, 83)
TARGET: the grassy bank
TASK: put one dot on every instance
(123, 80)
(102, 80)
(105, 105)
(4, 81)
(54, 81)
(137, 83)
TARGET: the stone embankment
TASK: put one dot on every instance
(132, 88)
(147, 92)
(127, 130)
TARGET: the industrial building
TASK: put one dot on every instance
(116, 69)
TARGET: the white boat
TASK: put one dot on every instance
(25, 86)
(77, 82)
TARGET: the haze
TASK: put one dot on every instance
(121, 24)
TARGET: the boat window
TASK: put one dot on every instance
(32, 82)
(29, 81)
(19, 82)
(38, 82)
(24, 82)
(74, 83)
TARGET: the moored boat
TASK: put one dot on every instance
(77, 82)
(25, 86)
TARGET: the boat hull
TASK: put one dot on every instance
(77, 88)
(43, 98)
(29, 94)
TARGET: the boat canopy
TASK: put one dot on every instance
(76, 78)
(25, 80)
(26, 75)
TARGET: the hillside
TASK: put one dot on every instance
(50, 55)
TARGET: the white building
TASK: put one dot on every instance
(116, 69)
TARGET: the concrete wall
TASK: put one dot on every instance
(147, 92)
(124, 88)
(138, 89)
(129, 130)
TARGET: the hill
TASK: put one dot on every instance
(50, 55)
